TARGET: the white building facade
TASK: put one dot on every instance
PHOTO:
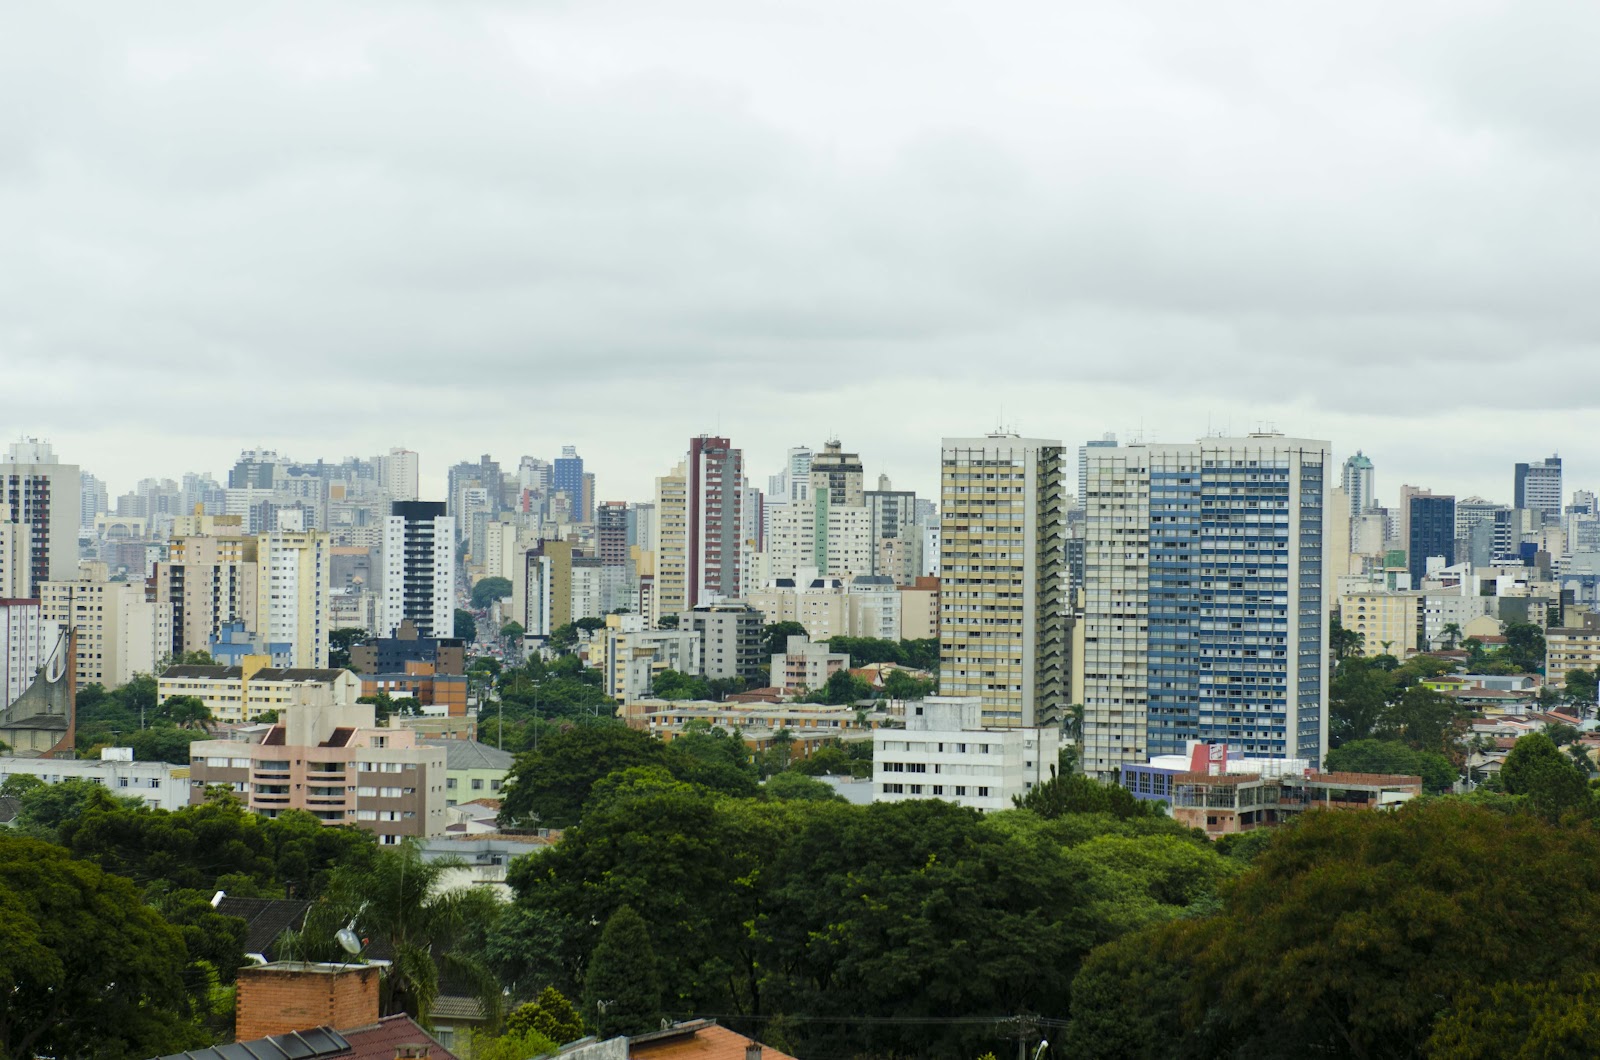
(945, 752)
(419, 568)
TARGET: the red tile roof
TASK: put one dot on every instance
(709, 1042)
(379, 1041)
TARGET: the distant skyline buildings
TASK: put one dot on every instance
(1536, 486)
(1360, 483)
(629, 470)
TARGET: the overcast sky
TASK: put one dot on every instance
(466, 226)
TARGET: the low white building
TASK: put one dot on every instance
(162, 785)
(944, 752)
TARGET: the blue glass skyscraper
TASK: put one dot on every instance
(1205, 602)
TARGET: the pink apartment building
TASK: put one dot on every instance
(336, 763)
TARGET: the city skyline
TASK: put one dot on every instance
(1493, 481)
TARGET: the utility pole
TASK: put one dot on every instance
(1026, 1029)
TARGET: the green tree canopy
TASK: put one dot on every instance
(552, 783)
(186, 712)
(1521, 1021)
(339, 643)
(899, 684)
(550, 1015)
(90, 970)
(794, 785)
(843, 688)
(1525, 646)
(1552, 782)
(1344, 642)
(907, 910)
(1357, 698)
(486, 591)
(622, 990)
(1392, 756)
(775, 636)
(863, 651)
(512, 631)
(1580, 687)
(196, 847)
(465, 626)
(1076, 793)
(1352, 933)
(670, 684)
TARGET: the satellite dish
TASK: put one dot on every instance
(349, 941)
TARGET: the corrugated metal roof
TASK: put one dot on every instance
(296, 1045)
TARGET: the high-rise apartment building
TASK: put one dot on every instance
(567, 478)
(1360, 483)
(715, 509)
(896, 538)
(254, 469)
(41, 497)
(208, 581)
(24, 644)
(292, 602)
(94, 500)
(671, 594)
(793, 483)
(1204, 590)
(837, 481)
(419, 569)
(1105, 441)
(642, 525)
(401, 469)
(1472, 512)
(1537, 487)
(119, 632)
(1431, 523)
(541, 590)
(16, 562)
(611, 532)
(1002, 633)
(463, 478)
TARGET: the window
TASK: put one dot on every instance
(450, 783)
(477, 785)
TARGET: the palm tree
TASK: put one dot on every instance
(1451, 634)
(188, 712)
(398, 908)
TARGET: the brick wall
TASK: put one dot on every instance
(277, 998)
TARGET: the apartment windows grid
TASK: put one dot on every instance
(1204, 599)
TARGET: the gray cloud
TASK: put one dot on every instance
(479, 226)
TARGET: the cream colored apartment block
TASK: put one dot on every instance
(671, 544)
(292, 604)
(120, 634)
(207, 582)
(1002, 636)
(919, 611)
(1569, 649)
(1386, 621)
